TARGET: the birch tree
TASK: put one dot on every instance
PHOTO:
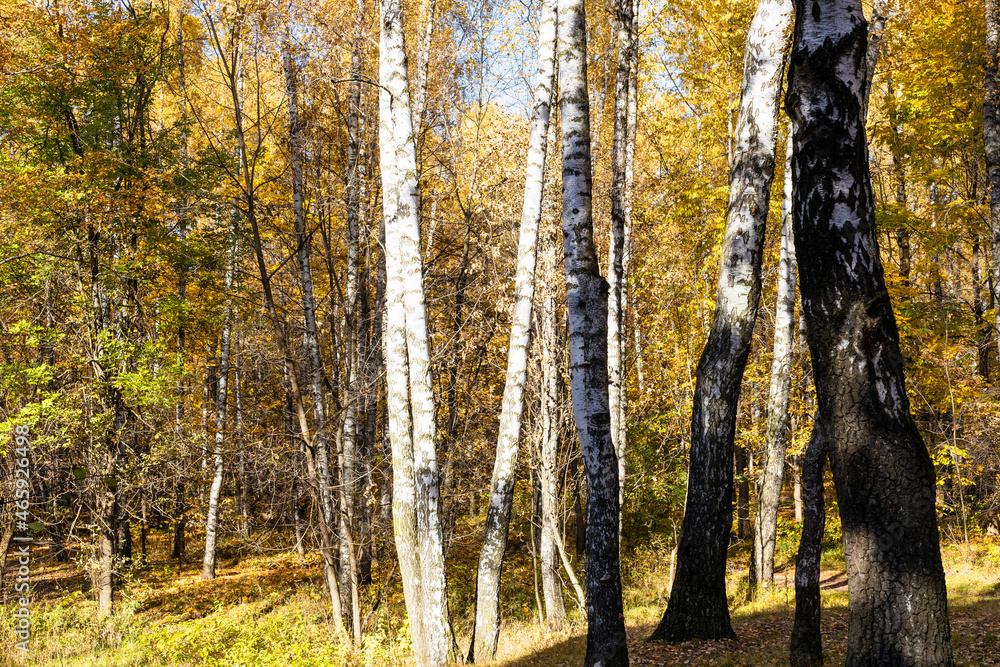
(991, 136)
(765, 525)
(487, 610)
(698, 607)
(883, 473)
(587, 299)
(806, 644)
(616, 261)
(415, 494)
(221, 399)
(552, 590)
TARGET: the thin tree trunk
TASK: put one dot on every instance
(587, 304)
(698, 607)
(221, 400)
(416, 499)
(243, 503)
(991, 135)
(883, 473)
(552, 591)
(769, 494)
(616, 266)
(487, 611)
(807, 642)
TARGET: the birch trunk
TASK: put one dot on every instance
(883, 473)
(487, 612)
(807, 642)
(766, 521)
(349, 427)
(991, 136)
(616, 248)
(221, 400)
(587, 303)
(244, 508)
(552, 591)
(416, 499)
(698, 607)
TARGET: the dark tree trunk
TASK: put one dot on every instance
(881, 468)
(807, 643)
(742, 494)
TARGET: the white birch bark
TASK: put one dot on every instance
(587, 303)
(698, 607)
(766, 520)
(627, 208)
(416, 500)
(419, 106)
(487, 619)
(212, 519)
(616, 247)
(552, 591)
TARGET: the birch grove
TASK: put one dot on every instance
(284, 302)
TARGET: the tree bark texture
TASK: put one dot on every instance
(698, 607)
(416, 498)
(807, 643)
(487, 612)
(587, 303)
(883, 473)
(769, 493)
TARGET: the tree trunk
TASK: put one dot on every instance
(616, 249)
(552, 591)
(979, 312)
(221, 399)
(487, 611)
(416, 499)
(991, 135)
(883, 473)
(769, 494)
(698, 607)
(587, 304)
(807, 642)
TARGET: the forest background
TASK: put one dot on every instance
(139, 346)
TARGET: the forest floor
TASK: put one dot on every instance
(270, 608)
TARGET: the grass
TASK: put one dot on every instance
(270, 608)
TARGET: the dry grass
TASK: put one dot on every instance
(271, 609)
